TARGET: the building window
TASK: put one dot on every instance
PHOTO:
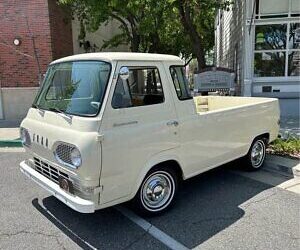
(270, 37)
(269, 64)
(294, 36)
(277, 50)
(295, 7)
(277, 8)
(294, 63)
(294, 50)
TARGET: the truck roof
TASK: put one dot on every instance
(121, 56)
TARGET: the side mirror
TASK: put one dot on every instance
(124, 73)
(95, 105)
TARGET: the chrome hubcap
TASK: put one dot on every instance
(257, 153)
(157, 191)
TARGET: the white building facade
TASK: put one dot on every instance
(260, 41)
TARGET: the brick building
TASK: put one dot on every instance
(32, 34)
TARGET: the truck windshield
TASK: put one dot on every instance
(75, 88)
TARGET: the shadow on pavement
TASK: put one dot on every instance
(206, 205)
(105, 229)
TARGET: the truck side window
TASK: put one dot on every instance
(121, 97)
(143, 87)
(180, 83)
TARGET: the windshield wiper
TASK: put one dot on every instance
(38, 108)
(57, 110)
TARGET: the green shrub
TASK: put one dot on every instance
(290, 146)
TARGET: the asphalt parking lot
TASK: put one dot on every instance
(221, 209)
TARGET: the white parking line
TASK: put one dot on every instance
(145, 225)
(152, 230)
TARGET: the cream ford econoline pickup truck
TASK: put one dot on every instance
(106, 128)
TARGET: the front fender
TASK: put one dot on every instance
(152, 162)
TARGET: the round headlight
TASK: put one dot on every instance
(75, 157)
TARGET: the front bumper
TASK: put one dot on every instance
(74, 202)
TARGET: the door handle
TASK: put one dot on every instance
(173, 123)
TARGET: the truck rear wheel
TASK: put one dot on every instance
(157, 191)
(255, 158)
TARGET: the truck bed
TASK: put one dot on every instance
(206, 104)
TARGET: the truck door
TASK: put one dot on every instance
(139, 122)
(203, 142)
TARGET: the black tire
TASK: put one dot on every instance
(255, 158)
(156, 178)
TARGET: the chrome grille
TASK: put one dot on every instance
(63, 152)
(48, 171)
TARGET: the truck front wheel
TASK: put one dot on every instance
(256, 155)
(157, 191)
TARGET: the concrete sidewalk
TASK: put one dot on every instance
(9, 133)
(10, 137)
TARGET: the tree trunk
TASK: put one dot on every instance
(155, 46)
(135, 42)
(135, 37)
(190, 29)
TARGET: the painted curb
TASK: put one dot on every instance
(283, 165)
(10, 143)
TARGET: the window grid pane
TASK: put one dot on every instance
(279, 43)
(278, 8)
(294, 63)
(270, 37)
(269, 64)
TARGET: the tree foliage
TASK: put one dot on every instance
(198, 18)
(180, 27)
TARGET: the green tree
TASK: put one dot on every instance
(146, 25)
(198, 18)
(180, 27)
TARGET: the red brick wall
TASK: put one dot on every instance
(61, 30)
(18, 64)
